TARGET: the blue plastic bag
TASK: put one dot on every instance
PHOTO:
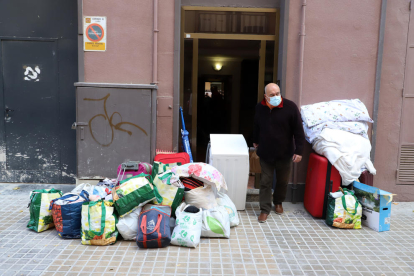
(67, 217)
(154, 228)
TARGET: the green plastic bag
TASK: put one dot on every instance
(170, 188)
(134, 192)
(159, 167)
(99, 223)
(41, 217)
(344, 211)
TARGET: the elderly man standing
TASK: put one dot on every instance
(279, 140)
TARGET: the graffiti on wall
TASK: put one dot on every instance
(113, 126)
(31, 74)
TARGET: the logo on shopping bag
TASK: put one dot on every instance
(230, 211)
(186, 218)
(151, 225)
(194, 222)
(192, 238)
(183, 233)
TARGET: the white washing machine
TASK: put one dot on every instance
(229, 154)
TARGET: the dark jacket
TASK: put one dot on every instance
(275, 129)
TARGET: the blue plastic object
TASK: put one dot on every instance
(67, 218)
(153, 229)
(184, 136)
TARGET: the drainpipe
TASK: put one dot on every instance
(301, 54)
(155, 46)
(378, 78)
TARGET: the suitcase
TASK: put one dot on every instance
(132, 168)
(321, 179)
(367, 178)
(181, 157)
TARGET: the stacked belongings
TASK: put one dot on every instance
(225, 201)
(134, 192)
(338, 130)
(67, 214)
(191, 183)
(128, 224)
(187, 230)
(215, 218)
(141, 208)
(130, 169)
(344, 210)
(40, 214)
(98, 223)
(154, 227)
(166, 191)
(170, 188)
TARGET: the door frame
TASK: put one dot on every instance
(3, 153)
(196, 36)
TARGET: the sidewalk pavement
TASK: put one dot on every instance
(290, 244)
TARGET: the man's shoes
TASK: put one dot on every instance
(263, 217)
(279, 209)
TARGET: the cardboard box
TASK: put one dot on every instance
(376, 206)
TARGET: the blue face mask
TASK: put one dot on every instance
(275, 100)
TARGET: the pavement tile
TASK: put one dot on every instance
(290, 244)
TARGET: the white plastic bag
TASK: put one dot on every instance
(128, 225)
(202, 197)
(84, 186)
(225, 201)
(216, 223)
(101, 191)
(187, 229)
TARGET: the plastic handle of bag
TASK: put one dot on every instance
(54, 191)
(347, 192)
(166, 176)
(144, 224)
(103, 217)
(63, 198)
(32, 195)
(148, 177)
(158, 197)
(85, 195)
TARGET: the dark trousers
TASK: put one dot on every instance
(282, 168)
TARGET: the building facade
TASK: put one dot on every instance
(163, 54)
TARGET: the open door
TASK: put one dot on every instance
(220, 45)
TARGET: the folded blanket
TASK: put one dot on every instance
(347, 152)
(360, 128)
(335, 111)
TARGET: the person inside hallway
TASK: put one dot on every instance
(279, 139)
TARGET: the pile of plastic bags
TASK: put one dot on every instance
(153, 208)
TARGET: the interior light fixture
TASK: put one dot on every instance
(217, 67)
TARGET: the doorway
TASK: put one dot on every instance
(228, 56)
